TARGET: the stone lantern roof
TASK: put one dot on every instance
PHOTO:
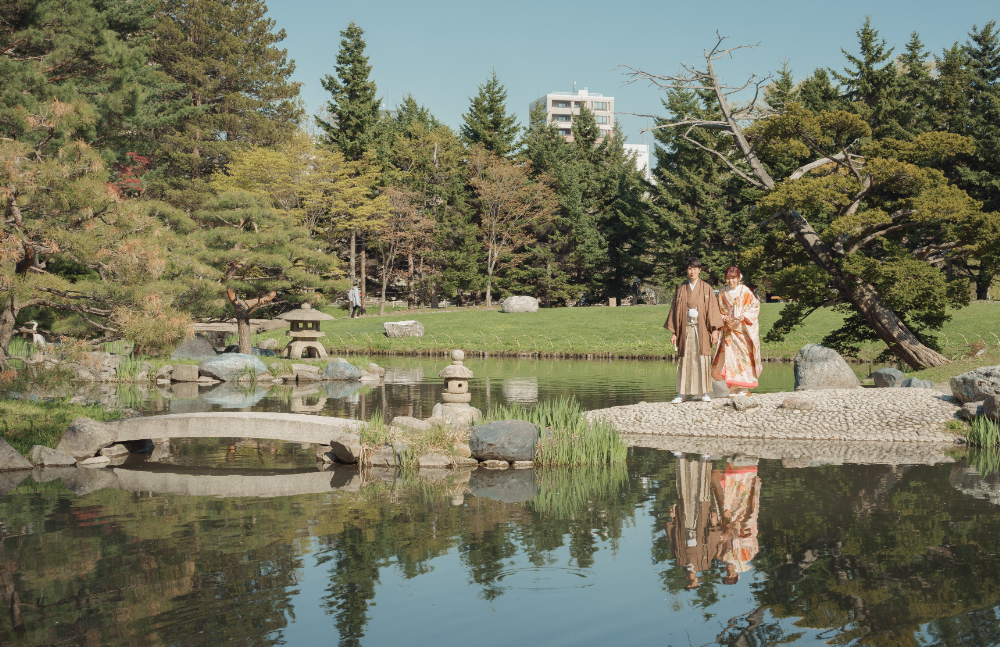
(304, 313)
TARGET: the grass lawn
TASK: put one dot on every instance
(24, 424)
(624, 331)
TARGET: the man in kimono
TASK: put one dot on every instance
(694, 322)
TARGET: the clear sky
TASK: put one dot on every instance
(440, 50)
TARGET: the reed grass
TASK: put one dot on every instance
(563, 492)
(128, 368)
(983, 432)
(568, 438)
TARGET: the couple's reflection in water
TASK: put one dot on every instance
(715, 517)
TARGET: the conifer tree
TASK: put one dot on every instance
(487, 123)
(870, 85)
(819, 93)
(354, 104)
(916, 89)
(783, 91)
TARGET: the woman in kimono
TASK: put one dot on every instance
(737, 360)
(737, 496)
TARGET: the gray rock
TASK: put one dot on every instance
(390, 455)
(819, 367)
(460, 416)
(495, 465)
(254, 350)
(403, 329)
(465, 461)
(976, 385)
(520, 304)
(522, 465)
(719, 390)
(508, 486)
(10, 480)
(341, 389)
(234, 396)
(346, 447)
(85, 437)
(341, 369)
(160, 451)
(306, 373)
(991, 408)
(887, 378)
(506, 440)
(185, 373)
(48, 457)
(410, 424)
(94, 461)
(462, 449)
(115, 450)
(10, 459)
(269, 344)
(230, 367)
(797, 404)
(742, 402)
(435, 460)
(376, 370)
(971, 410)
(917, 383)
(164, 372)
(82, 482)
(437, 411)
(195, 348)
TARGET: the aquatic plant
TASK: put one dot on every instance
(563, 493)
(568, 438)
(20, 347)
(983, 432)
(128, 368)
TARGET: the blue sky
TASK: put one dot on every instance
(440, 50)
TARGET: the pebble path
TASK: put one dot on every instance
(886, 415)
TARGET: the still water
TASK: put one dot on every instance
(666, 550)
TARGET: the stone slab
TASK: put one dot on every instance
(298, 428)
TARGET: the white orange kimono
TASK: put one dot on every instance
(737, 492)
(737, 361)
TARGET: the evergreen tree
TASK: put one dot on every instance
(916, 89)
(870, 86)
(487, 123)
(818, 93)
(951, 98)
(354, 104)
(783, 91)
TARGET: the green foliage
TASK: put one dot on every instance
(871, 84)
(487, 123)
(354, 104)
(24, 424)
(983, 432)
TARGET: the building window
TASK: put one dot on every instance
(561, 117)
(565, 133)
(602, 119)
(560, 104)
(600, 105)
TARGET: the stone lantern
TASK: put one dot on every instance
(305, 332)
(456, 380)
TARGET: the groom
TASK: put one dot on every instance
(694, 321)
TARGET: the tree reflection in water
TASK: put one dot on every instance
(860, 554)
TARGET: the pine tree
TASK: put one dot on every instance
(871, 88)
(818, 93)
(487, 123)
(783, 91)
(354, 104)
(916, 89)
(951, 98)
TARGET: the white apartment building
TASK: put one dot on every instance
(560, 108)
(641, 152)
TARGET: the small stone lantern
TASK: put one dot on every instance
(305, 332)
(456, 379)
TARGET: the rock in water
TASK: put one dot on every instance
(887, 378)
(85, 437)
(184, 373)
(48, 457)
(991, 408)
(819, 367)
(10, 459)
(435, 460)
(506, 440)
(520, 304)
(346, 447)
(410, 424)
(508, 486)
(976, 385)
(403, 329)
(917, 383)
(195, 348)
(341, 369)
(231, 367)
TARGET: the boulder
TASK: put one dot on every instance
(917, 383)
(410, 424)
(403, 329)
(370, 378)
(94, 461)
(819, 367)
(115, 451)
(85, 437)
(506, 440)
(519, 304)
(268, 344)
(743, 402)
(346, 447)
(164, 373)
(341, 370)
(230, 367)
(887, 378)
(976, 385)
(508, 486)
(495, 465)
(971, 410)
(435, 460)
(306, 373)
(184, 373)
(10, 459)
(719, 390)
(254, 350)
(991, 408)
(465, 461)
(390, 455)
(10, 480)
(48, 457)
(797, 404)
(375, 369)
(463, 450)
(195, 348)
(459, 416)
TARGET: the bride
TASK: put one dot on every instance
(737, 361)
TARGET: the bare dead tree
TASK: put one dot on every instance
(742, 160)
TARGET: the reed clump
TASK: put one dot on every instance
(567, 437)
(983, 432)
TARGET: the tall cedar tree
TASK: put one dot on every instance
(487, 123)
(223, 56)
(871, 82)
(354, 106)
(916, 89)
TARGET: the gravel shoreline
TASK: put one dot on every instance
(884, 415)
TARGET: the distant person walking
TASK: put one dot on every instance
(737, 361)
(354, 301)
(694, 322)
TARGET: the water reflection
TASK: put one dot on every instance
(873, 554)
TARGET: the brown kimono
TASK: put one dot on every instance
(709, 315)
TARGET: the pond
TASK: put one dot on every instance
(411, 388)
(667, 549)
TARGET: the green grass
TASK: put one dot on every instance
(25, 424)
(569, 438)
(984, 433)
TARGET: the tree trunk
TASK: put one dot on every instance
(244, 332)
(890, 328)
(364, 279)
(489, 278)
(385, 281)
(409, 297)
(354, 238)
(8, 323)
